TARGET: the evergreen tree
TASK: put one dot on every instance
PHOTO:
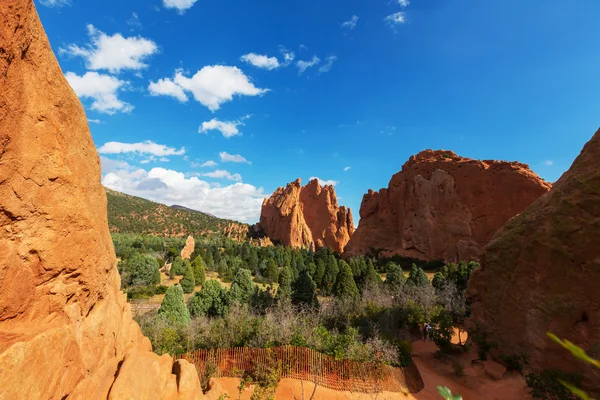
(395, 277)
(417, 276)
(330, 275)
(304, 291)
(272, 272)
(140, 269)
(371, 278)
(199, 270)
(209, 260)
(177, 267)
(242, 286)
(319, 273)
(285, 283)
(212, 300)
(173, 306)
(188, 283)
(345, 287)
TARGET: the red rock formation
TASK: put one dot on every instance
(306, 216)
(189, 248)
(443, 206)
(65, 328)
(541, 271)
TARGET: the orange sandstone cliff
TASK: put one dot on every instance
(306, 216)
(443, 206)
(65, 328)
(541, 271)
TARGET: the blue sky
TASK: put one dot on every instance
(263, 92)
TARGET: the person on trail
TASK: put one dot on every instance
(426, 329)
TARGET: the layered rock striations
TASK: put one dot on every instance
(65, 328)
(441, 206)
(541, 271)
(306, 216)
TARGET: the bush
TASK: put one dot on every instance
(145, 292)
(140, 270)
(345, 287)
(547, 386)
(404, 353)
(212, 300)
(188, 282)
(241, 287)
(443, 329)
(304, 291)
(199, 270)
(177, 267)
(173, 306)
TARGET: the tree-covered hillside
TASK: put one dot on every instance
(130, 214)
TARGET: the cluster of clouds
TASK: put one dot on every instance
(271, 62)
(181, 6)
(392, 20)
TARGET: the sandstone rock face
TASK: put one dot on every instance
(188, 249)
(65, 328)
(441, 206)
(541, 271)
(306, 216)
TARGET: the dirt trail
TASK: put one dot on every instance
(475, 385)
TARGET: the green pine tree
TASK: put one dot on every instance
(345, 287)
(188, 282)
(242, 286)
(199, 270)
(417, 276)
(304, 291)
(177, 267)
(285, 283)
(212, 300)
(330, 275)
(173, 306)
(395, 277)
(272, 272)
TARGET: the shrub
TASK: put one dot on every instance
(188, 283)
(404, 353)
(547, 384)
(241, 287)
(304, 291)
(173, 306)
(443, 329)
(145, 292)
(140, 270)
(395, 276)
(345, 287)
(212, 300)
(177, 267)
(199, 270)
(417, 276)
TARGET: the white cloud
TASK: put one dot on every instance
(395, 19)
(55, 3)
(102, 89)
(236, 158)
(304, 65)
(324, 182)
(288, 56)
(146, 147)
(351, 23)
(549, 163)
(94, 121)
(211, 86)
(134, 22)
(180, 5)
(166, 87)
(346, 169)
(109, 165)
(114, 53)
(239, 201)
(403, 3)
(261, 61)
(223, 174)
(209, 163)
(327, 66)
(227, 128)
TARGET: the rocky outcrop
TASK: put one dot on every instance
(65, 328)
(237, 231)
(306, 216)
(189, 248)
(540, 273)
(441, 206)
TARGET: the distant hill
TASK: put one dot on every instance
(130, 214)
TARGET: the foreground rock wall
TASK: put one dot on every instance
(65, 328)
(541, 272)
(306, 216)
(443, 206)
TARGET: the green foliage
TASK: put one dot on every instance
(173, 306)
(241, 287)
(417, 276)
(285, 283)
(459, 274)
(547, 385)
(177, 267)
(199, 270)
(188, 282)
(345, 287)
(395, 277)
(370, 277)
(145, 292)
(480, 338)
(272, 272)
(447, 393)
(304, 291)
(330, 275)
(211, 300)
(404, 353)
(140, 270)
(442, 331)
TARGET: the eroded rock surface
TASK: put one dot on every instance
(541, 271)
(188, 249)
(65, 328)
(441, 206)
(306, 216)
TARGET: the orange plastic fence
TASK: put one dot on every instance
(301, 363)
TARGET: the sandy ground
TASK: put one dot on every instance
(474, 385)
